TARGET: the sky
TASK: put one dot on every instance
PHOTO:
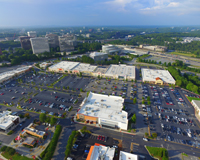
(98, 12)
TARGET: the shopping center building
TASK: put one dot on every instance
(156, 76)
(104, 111)
(121, 71)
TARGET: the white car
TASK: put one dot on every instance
(145, 139)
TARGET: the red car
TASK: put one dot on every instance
(103, 139)
(98, 138)
(40, 104)
(2, 93)
(56, 96)
(30, 101)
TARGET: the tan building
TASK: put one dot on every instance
(32, 131)
(29, 141)
(159, 81)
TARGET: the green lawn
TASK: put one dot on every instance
(184, 54)
(193, 98)
(156, 152)
(15, 157)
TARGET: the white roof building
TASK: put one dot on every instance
(110, 49)
(84, 67)
(45, 64)
(63, 65)
(9, 74)
(72, 66)
(107, 110)
(127, 156)
(150, 75)
(98, 152)
(93, 54)
(121, 71)
(7, 121)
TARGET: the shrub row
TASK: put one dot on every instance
(70, 143)
(49, 151)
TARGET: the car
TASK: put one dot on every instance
(145, 139)
(2, 93)
(13, 98)
(51, 113)
(23, 92)
(10, 90)
(60, 115)
(40, 104)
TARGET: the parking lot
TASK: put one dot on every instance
(126, 89)
(170, 115)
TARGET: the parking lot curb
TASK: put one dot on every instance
(107, 128)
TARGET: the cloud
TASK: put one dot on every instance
(120, 5)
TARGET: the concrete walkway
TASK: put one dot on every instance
(2, 158)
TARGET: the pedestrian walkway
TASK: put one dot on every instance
(2, 158)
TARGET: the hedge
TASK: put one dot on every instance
(70, 143)
(49, 151)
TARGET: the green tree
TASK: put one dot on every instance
(135, 100)
(154, 135)
(143, 102)
(81, 90)
(149, 102)
(42, 117)
(53, 121)
(148, 98)
(133, 118)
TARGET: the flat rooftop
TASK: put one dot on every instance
(121, 70)
(101, 70)
(152, 74)
(93, 54)
(197, 102)
(127, 156)
(6, 119)
(104, 106)
(84, 67)
(102, 151)
(65, 65)
(9, 74)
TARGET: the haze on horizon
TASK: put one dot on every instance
(100, 12)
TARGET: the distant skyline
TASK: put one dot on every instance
(27, 13)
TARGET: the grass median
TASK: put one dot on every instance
(156, 152)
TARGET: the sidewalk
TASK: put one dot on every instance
(2, 158)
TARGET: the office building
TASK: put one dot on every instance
(104, 111)
(128, 156)
(67, 42)
(7, 121)
(110, 49)
(25, 42)
(155, 76)
(98, 56)
(39, 45)
(32, 34)
(99, 151)
(53, 40)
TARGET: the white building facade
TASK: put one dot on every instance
(39, 45)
